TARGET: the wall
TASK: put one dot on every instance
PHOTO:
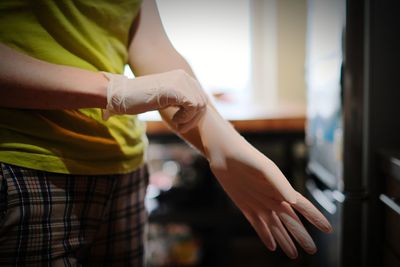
(278, 32)
(291, 39)
(215, 37)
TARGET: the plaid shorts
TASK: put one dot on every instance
(49, 219)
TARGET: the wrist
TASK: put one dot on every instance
(110, 91)
(89, 88)
(100, 90)
(218, 137)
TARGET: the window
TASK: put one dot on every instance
(251, 50)
(214, 37)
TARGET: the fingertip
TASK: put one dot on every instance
(312, 214)
(290, 196)
(293, 254)
(328, 229)
(310, 247)
(271, 247)
(324, 225)
(312, 251)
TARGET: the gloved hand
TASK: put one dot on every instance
(157, 91)
(258, 187)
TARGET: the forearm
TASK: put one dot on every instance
(150, 51)
(26, 82)
(192, 136)
(167, 59)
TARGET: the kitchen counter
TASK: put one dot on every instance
(246, 120)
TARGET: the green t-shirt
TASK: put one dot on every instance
(87, 34)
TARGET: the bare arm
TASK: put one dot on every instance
(26, 82)
(150, 51)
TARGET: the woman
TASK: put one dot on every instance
(72, 175)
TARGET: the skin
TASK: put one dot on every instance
(24, 80)
(151, 44)
(258, 188)
(254, 182)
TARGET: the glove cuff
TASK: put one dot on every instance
(110, 110)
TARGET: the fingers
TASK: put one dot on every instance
(312, 214)
(279, 181)
(184, 127)
(185, 114)
(277, 218)
(261, 229)
(268, 225)
(272, 225)
(296, 228)
(192, 108)
(276, 232)
(281, 235)
(291, 222)
(265, 234)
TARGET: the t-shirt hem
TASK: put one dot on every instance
(53, 164)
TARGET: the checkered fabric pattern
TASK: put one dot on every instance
(49, 219)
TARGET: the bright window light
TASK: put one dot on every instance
(214, 37)
(128, 72)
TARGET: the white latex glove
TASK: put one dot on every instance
(154, 92)
(258, 188)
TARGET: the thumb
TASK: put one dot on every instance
(286, 190)
(280, 183)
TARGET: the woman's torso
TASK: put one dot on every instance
(87, 34)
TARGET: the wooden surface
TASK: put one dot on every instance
(248, 119)
(285, 124)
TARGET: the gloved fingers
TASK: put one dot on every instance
(296, 228)
(264, 233)
(288, 217)
(276, 228)
(312, 214)
(259, 226)
(191, 121)
(281, 235)
(278, 180)
(193, 100)
(185, 127)
(185, 114)
(188, 109)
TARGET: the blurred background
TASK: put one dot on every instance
(247, 52)
(313, 85)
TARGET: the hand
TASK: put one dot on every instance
(258, 188)
(157, 91)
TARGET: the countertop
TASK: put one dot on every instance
(246, 119)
